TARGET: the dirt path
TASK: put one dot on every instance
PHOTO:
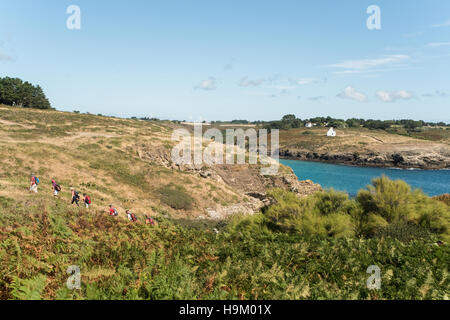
(376, 139)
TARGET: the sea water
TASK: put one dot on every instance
(352, 178)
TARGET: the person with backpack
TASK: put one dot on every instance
(56, 188)
(131, 216)
(87, 200)
(75, 196)
(34, 182)
(150, 221)
(113, 211)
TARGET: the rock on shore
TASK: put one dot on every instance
(402, 159)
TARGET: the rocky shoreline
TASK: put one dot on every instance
(402, 160)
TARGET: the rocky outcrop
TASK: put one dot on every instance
(222, 212)
(245, 179)
(445, 198)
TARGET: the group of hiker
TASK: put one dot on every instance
(34, 183)
(131, 215)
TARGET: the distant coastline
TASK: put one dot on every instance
(363, 161)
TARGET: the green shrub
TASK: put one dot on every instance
(28, 289)
(330, 202)
(324, 214)
(392, 202)
(176, 197)
(389, 199)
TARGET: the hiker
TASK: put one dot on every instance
(75, 196)
(131, 216)
(34, 182)
(87, 200)
(113, 211)
(56, 188)
(149, 220)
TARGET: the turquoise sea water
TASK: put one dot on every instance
(351, 179)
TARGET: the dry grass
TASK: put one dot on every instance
(97, 155)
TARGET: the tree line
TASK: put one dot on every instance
(16, 92)
(290, 121)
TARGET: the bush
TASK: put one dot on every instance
(176, 197)
(389, 202)
(386, 198)
(324, 214)
(385, 207)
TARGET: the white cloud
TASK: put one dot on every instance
(245, 82)
(393, 95)
(355, 66)
(444, 24)
(209, 84)
(438, 44)
(351, 93)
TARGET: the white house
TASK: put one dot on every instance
(309, 125)
(331, 132)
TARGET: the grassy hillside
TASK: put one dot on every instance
(105, 157)
(356, 140)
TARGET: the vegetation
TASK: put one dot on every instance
(115, 161)
(445, 198)
(314, 248)
(317, 247)
(384, 206)
(405, 126)
(176, 197)
(15, 92)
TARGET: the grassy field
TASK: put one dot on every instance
(360, 140)
(425, 149)
(105, 157)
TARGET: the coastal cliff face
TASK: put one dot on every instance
(365, 148)
(400, 159)
(244, 179)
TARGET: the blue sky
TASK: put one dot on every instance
(224, 60)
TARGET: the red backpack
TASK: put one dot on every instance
(133, 217)
(88, 199)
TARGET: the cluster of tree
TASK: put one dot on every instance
(15, 92)
(290, 121)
